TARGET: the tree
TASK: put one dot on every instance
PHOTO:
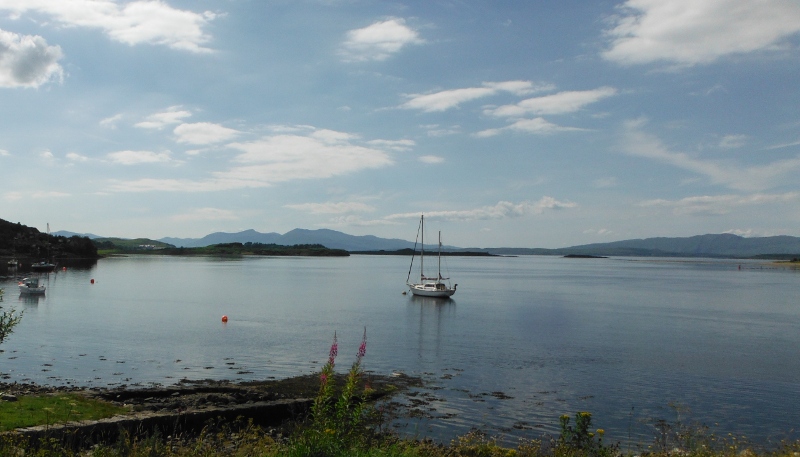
(8, 320)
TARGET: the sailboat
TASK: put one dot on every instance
(429, 286)
(45, 265)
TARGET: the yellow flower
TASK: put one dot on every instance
(600, 431)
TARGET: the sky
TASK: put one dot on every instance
(507, 123)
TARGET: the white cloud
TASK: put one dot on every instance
(136, 22)
(599, 232)
(743, 233)
(537, 126)
(4, 153)
(203, 133)
(332, 136)
(784, 145)
(28, 61)
(38, 195)
(720, 204)
(688, 32)
(559, 103)
(75, 157)
(378, 41)
(444, 100)
(206, 214)
(757, 177)
(173, 115)
(502, 210)
(276, 159)
(431, 159)
(137, 157)
(605, 183)
(332, 207)
(111, 122)
(733, 141)
(394, 145)
(434, 130)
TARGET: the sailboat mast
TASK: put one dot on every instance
(438, 278)
(422, 251)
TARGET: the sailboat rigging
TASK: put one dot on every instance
(429, 286)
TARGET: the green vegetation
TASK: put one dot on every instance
(119, 245)
(33, 410)
(108, 246)
(8, 320)
(17, 240)
(238, 249)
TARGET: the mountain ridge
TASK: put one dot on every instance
(708, 245)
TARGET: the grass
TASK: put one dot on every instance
(33, 410)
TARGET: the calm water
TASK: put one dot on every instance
(632, 341)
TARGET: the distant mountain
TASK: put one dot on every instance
(328, 238)
(67, 234)
(222, 237)
(722, 245)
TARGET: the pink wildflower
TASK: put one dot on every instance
(334, 350)
(323, 378)
(362, 350)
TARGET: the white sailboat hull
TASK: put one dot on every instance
(31, 286)
(31, 290)
(430, 290)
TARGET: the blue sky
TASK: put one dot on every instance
(508, 123)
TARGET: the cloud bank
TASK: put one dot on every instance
(271, 160)
(689, 32)
(132, 23)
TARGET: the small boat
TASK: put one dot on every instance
(429, 286)
(43, 266)
(31, 286)
(13, 263)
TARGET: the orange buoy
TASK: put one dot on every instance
(92, 281)
(224, 318)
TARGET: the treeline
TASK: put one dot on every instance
(409, 251)
(222, 249)
(312, 250)
(17, 240)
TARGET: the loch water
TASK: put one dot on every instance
(524, 340)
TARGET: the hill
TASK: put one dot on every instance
(124, 244)
(721, 245)
(328, 238)
(240, 249)
(23, 242)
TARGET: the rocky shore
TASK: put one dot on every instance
(188, 406)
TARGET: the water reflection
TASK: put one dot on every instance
(30, 299)
(433, 316)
